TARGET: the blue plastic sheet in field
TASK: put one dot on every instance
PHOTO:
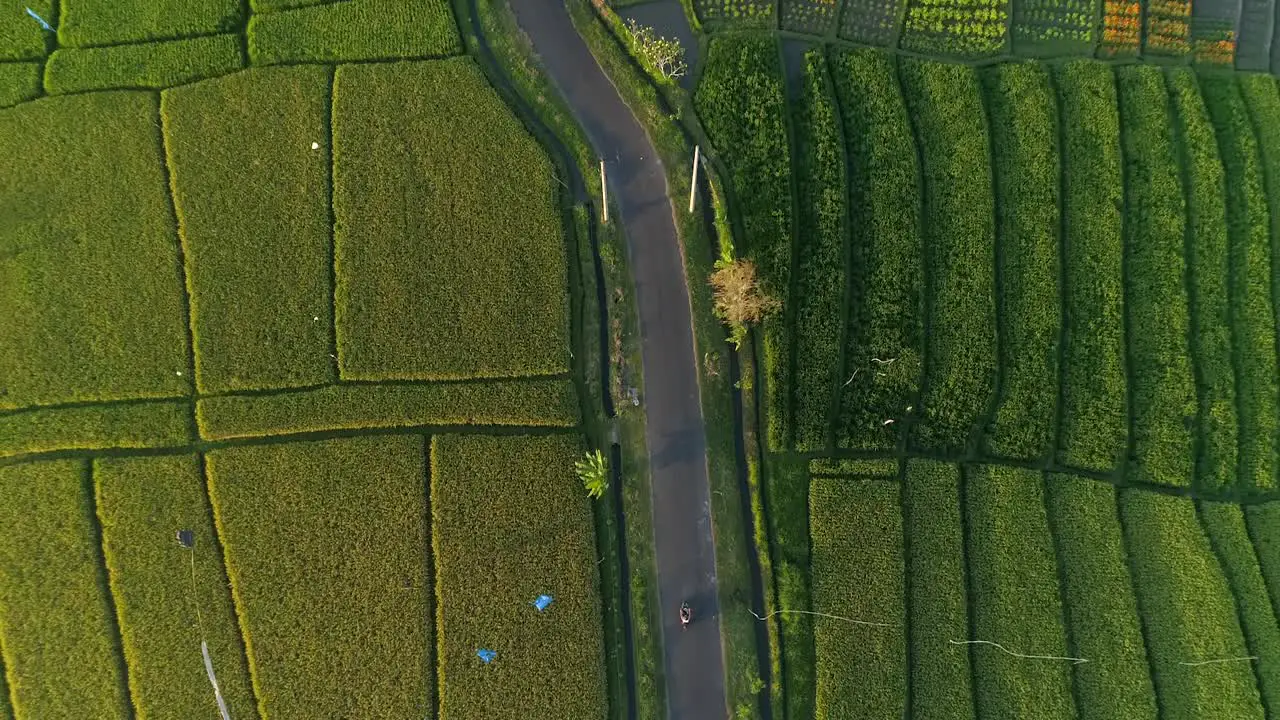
(40, 20)
(486, 655)
(542, 602)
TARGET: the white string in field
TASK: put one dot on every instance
(1002, 648)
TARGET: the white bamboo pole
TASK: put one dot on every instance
(604, 193)
(693, 187)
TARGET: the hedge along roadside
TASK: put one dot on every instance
(951, 127)
(1163, 388)
(255, 129)
(335, 600)
(1025, 154)
(462, 277)
(1263, 103)
(147, 65)
(94, 312)
(1225, 525)
(1101, 609)
(56, 617)
(1207, 257)
(741, 103)
(884, 337)
(354, 31)
(537, 540)
(858, 573)
(1188, 610)
(169, 599)
(1094, 431)
(147, 424)
(821, 239)
(941, 680)
(1013, 570)
(1250, 285)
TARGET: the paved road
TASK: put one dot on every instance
(677, 441)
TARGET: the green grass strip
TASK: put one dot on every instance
(450, 248)
(262, 312)
(1207, 257)
(1250, 282)
(884, 342)
(537, 539)
(19, 82)
(787, 487)
(91, 22)
(1264, 529)
(1094, 432)
(326, 550)
(886, 468)
(1230, 537)
(542, 403)
(940, 676)
(820, 273)
(148, 65)
(1188, 610)
(858, 569)
(946, 104)
(1164, 392)
(1101, 608)
(1014, 572)
(91, 288)
(1024, 129)
(741, 102)
(151, 424)
(355, 30)
(142, 504)
(57, 630)
(21, 37)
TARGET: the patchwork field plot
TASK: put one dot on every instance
(235, 308)
(875, 22)
(425, 233)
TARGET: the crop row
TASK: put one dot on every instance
(1121, 28)
(513, 506)
(449, 247)
(168, 599)
(255, 129)
(1229, 536)
(1188, 611)
(56, 618)
(737, 13)
(1094, 428)
(1013, 575)
(959, 27)
(1101, 607)
(1024, 142)
(875, 22)
(1045, 27)
(147, 65)
(821, 243)
(94, 308)
(93, 22)
(1208, 273)
(1250, 282)
(951, 127)
(353, 31)
(816, 17)
(884, 341)
(1168, 27)
(740, 100)
(1055, 567)
(858, 572)
(1161, 383)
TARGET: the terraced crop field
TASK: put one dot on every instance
(1020, 397)
(286, 390)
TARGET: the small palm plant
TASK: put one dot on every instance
(594, 473)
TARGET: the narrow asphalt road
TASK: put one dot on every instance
(683, 541)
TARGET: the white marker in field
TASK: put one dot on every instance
(604, 195)
(315, 146)
(693, 186)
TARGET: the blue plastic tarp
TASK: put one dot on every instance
(486, 655)
(542, 602)
(40, 20)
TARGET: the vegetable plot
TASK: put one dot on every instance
(969, 28)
